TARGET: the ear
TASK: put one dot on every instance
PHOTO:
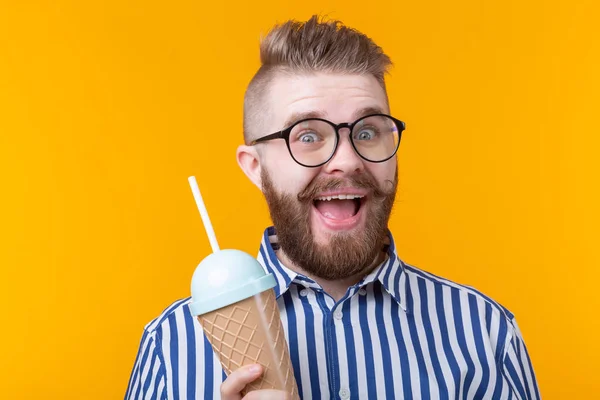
(249, 161)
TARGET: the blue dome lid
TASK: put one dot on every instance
(226, 277)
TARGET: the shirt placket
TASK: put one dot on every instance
(333, 322)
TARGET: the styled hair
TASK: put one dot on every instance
(307, 47)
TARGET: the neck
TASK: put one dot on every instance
(335, 288)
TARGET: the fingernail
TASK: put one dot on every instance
(254, 369)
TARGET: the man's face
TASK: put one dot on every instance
(335, 238)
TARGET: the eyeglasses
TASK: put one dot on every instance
(312, 142)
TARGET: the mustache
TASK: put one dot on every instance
(360, 181)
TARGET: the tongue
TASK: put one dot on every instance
(337, 209)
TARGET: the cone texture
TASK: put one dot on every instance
(249, 332)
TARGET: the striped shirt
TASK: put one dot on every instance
(400, 333)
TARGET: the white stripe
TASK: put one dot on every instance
(504, 392)
(494, 329)
(199, 339)
(377, 353)
(181, 350)
(161, 387)
(217, 372)
(338, 326)
(396, 371)
(489, 350)
(321, 363)
(422, 337)
(361, 367)
(166, 339)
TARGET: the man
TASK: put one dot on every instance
(360, 323)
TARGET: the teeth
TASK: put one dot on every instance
(339, 197)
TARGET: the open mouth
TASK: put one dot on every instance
(339, 207)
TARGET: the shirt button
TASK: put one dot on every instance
(304, 292)
(337, 315)
(362, 291)
(344, 394)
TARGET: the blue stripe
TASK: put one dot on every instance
(383, 340)
(462, 341)
(208, 367)
(435, 362)
(191, 353)
(477, 336)
(329, 343)
(350, 347)
(369, 362)
(309, 317)
(143, 364)
(488, 317)
(162, 372)
(293, 335)
(501, 346)
(150, 372)
(441, 316)
(522, 367)
(397, 278)
(174, 350)
(404, 362)
(515, 378)
(335, 359)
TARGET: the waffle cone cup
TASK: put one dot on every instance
(250, 332)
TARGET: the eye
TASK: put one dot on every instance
(365, 134)
(308, 137)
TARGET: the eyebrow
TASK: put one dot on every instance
(295, 117)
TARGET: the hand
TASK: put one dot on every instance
(231, 388)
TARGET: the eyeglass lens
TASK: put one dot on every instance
(375, 138)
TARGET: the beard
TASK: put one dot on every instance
(347, 253)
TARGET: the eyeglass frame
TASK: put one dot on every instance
(285, 134)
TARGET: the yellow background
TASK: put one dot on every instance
(107, 107)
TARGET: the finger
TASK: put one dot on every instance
(266, 394)
(238, 379)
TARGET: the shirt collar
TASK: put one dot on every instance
(391, 273)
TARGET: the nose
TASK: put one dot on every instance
(345, 161)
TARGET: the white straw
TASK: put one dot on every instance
(204, 214)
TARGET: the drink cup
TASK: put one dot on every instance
(234, 301)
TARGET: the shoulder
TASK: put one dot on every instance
(178, 310)
(416, 275)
